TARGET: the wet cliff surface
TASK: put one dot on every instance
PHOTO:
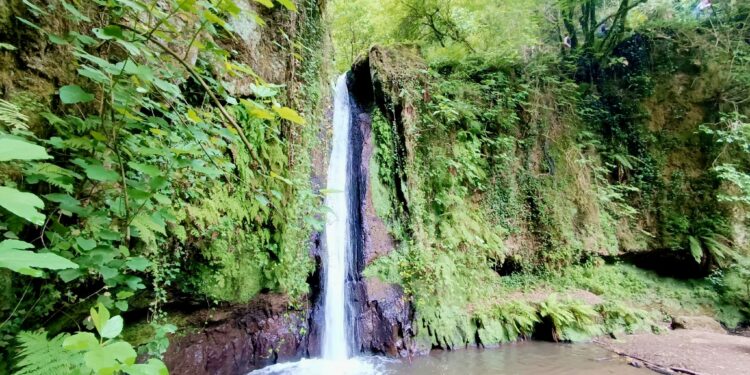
(242, 338)
(385, 315)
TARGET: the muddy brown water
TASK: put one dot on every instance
(530, 357)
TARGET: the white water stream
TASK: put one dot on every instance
(337, 341)
(338, 244)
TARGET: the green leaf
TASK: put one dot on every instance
(263, 91)
(230, 7)
(695, 249)
(288, 4)
(81, 341)
(266, 3)
(149, 170)
(138, 263)
(122, 305)
(289, 114)
(107, 359)
(93, 74)
(7, 46)
(85, 244)
(25, 205)
(14, 257)
(96, 171)
(73, 94)
(17, 149)
(112, 327)
(123, 352)
(77, 15)
(99, 316)
(67, 202)
(152, 367)
(109, 32)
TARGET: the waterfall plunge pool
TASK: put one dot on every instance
(527, 357)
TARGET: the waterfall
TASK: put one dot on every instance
(339, 273)
(337, 263)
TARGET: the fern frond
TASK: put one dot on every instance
(696, 249)
(52, 174)
(11, 115)
(41, 356)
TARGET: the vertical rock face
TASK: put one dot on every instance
(384, 318)
(240, 340)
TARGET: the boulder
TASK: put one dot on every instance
(697, 323)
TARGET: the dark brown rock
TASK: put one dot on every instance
(239, 339)
(384, 313)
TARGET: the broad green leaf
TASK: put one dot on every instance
(86, 244)
(109, 32)
(112, 327)
(25, 205)
(73, 94)
(263, 91)
(67, 202)
(93, 74)
(124, 294)
(266, 3)
(17, 149)
(288, 4)
(7, 46)
(149, 170)
(98, 172)
(14, 257)
(138, 263)
(101, 360)
(289, 114)
(152, 367)
(99, 316)
(123, 352)
(80, 341)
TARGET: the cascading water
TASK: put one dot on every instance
(335, 344)
(338, 266)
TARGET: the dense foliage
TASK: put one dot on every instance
(579, 149)
(160, 154)
(162, 168)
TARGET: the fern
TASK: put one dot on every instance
(41, 356)
(12, 116)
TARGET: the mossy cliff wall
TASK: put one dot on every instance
(482, 170)
(240, 249)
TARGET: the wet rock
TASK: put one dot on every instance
(239, 339)
(385, 322)
(384, 314)
(697, 323)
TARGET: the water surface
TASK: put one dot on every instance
(530, 357)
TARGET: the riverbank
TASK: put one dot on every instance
(684, 351)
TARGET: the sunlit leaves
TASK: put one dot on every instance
(266, 3)
(289, 114)
(288, 4)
